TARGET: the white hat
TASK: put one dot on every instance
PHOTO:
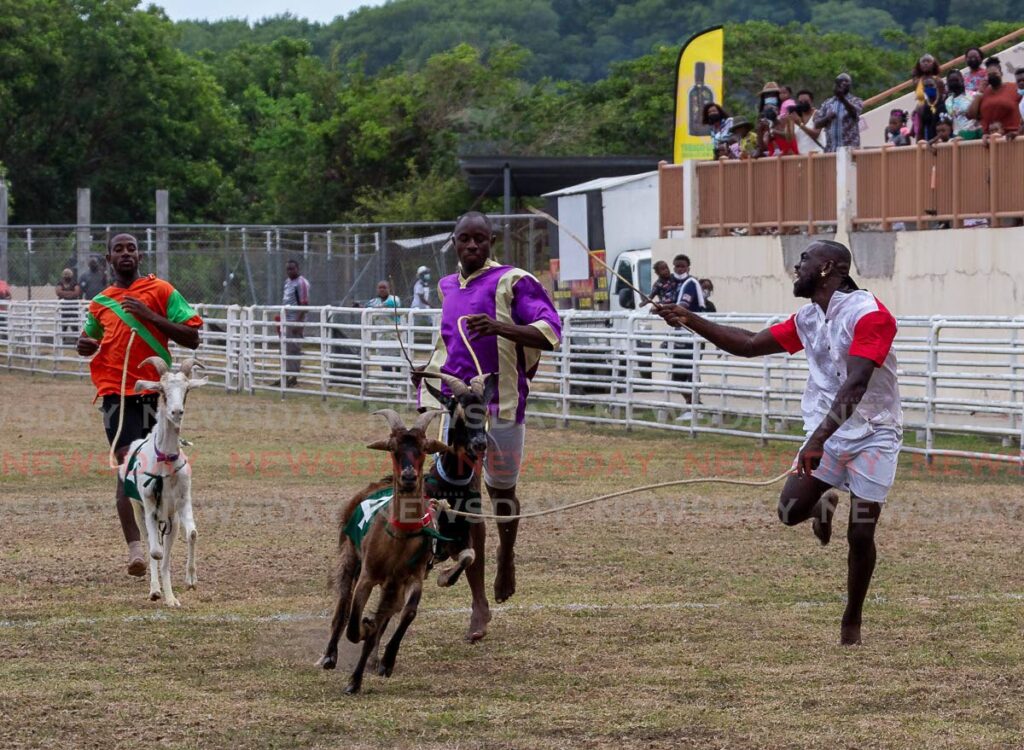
(422, 270)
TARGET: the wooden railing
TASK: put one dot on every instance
(920, 186)
(787, 192)
(670, 198)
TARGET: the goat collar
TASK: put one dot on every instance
(439, 465)
(165, 458)
(412, 526)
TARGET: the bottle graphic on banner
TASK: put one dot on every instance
(699, 96)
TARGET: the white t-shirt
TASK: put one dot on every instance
(856, 324)
(804, 143)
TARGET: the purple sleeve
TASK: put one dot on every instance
(530, 304)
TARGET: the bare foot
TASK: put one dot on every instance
(505, 578)
(821, 519)
(478, 623)
(849, 635)
(136, 559)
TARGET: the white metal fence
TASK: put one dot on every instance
(958, 376)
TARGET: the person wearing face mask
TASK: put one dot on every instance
(997, 102)
(720, 124)
(975, 76)
(958, 103)
(1019, 77)
(927, 115)
(808, 137)
(839, 116)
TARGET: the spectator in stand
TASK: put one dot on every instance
(808, 137)
(839, 116)
(743, 144)
(665, 287)
(94, 280)
(958, 103)
(927, 67)
(997, 102)
(974, 79)
(786, 93)
(720, 124)
(896, 132)
(708, 288)
(926, 118)
(1019, 78)
(943, 130)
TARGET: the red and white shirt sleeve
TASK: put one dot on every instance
(787, 335)
(873, 335)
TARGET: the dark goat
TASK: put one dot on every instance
(394, 552)
(455, 476)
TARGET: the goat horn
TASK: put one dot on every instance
(394, 421)
(478, 383)
(423, 420)
(458, 388)
(158, 364)
(188, 364)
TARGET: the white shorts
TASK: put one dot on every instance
(865, 467)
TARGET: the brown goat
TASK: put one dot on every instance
(388, 549)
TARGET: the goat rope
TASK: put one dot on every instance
(111, 458)
(443, 504)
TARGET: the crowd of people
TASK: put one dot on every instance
(976, 105)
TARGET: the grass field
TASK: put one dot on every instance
(682, 618)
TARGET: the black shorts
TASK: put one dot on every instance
(140, 413)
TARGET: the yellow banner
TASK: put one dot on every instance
(698, 82)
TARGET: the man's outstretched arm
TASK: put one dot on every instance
(738, 341)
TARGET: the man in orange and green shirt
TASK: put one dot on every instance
(157, 313)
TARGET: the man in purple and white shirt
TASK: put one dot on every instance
(509, 320)
(851, 405)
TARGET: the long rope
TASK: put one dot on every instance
(582, 244)
(443, 504)
(111, 458)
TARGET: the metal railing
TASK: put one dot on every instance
(940, 186)
(957, 375)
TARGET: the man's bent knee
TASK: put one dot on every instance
(786, 515)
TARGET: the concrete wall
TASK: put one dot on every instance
(951, 272)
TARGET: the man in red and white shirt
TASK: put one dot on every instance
(851, 405)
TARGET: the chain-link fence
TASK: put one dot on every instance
(245, 265)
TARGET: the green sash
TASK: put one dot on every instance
(132, 322)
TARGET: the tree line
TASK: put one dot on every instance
(274, 126)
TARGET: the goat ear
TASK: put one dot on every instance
(197, 382)
(147, 385)
(435, 446)
(380, 445)
(446, 401)
(490, 387)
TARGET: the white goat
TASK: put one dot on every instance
(158, 479)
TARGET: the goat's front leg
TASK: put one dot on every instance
(142, 513)
(165, 565)
(412, 603)
(188, 528)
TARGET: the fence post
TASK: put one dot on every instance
(631, 323)
(83, 220)
(3, 231)
(691, 199)
(564, 371)
(163, 212)
(28, 254)
(846, 194)
(930, 391)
